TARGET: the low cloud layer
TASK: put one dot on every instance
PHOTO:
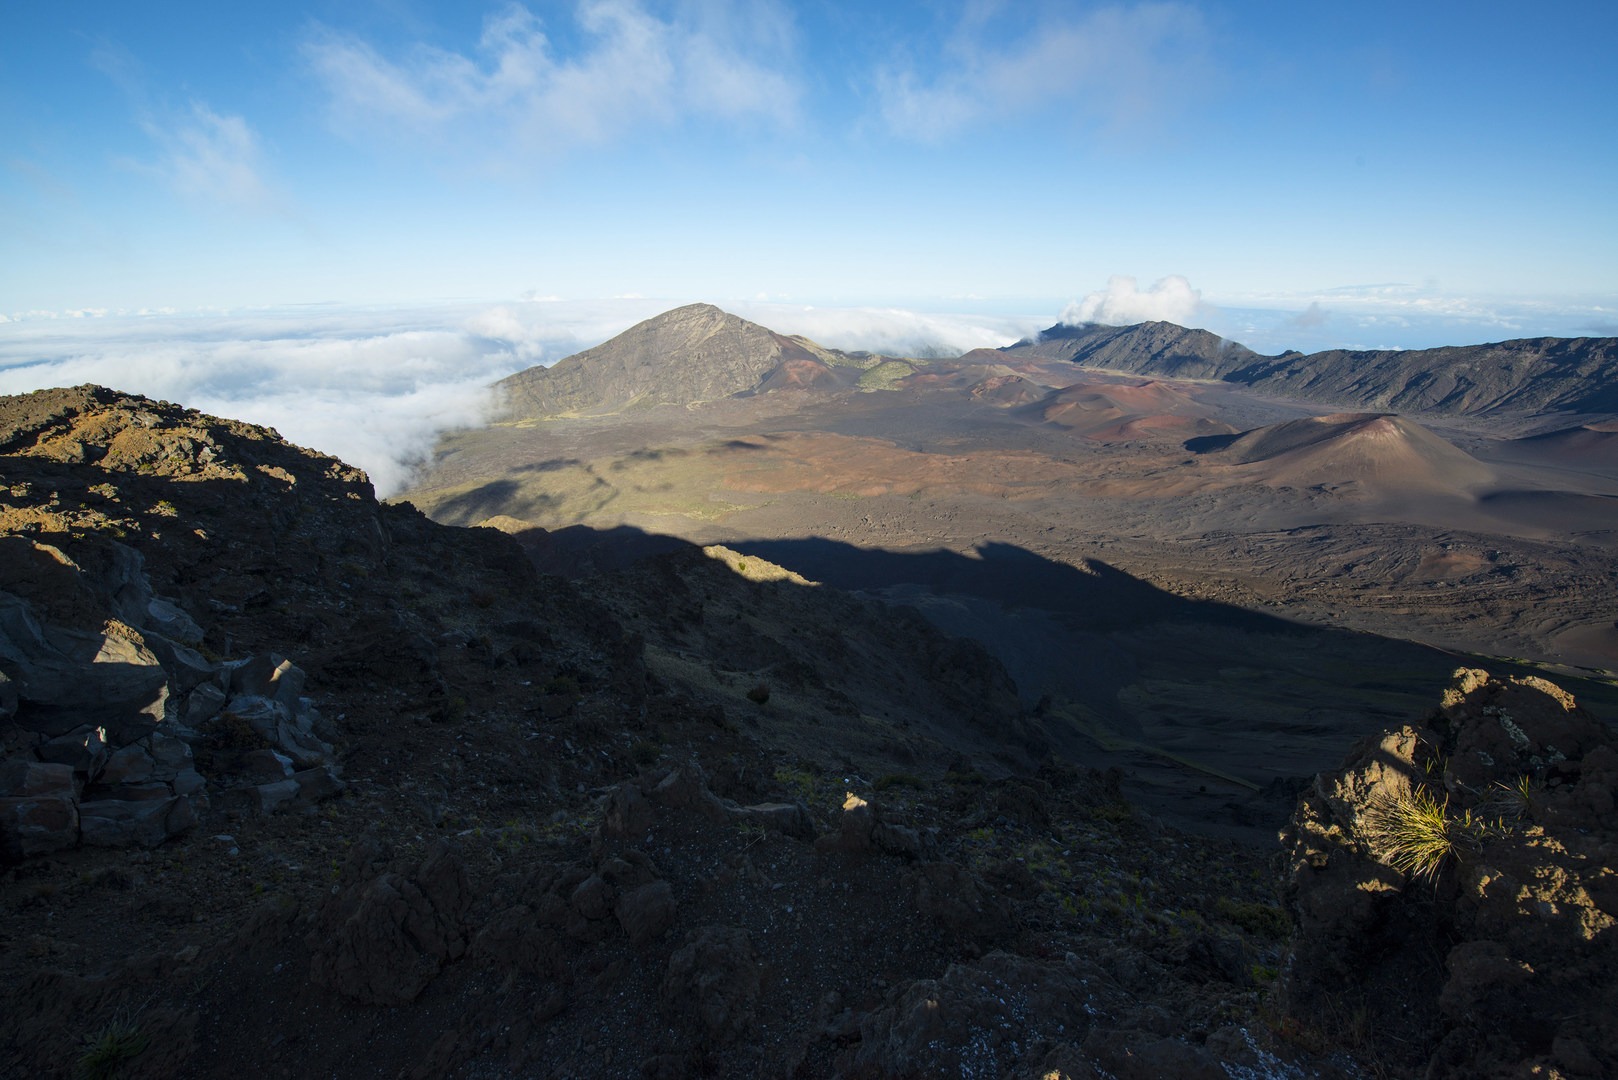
(371, 393)
(377, 387)
(1122, 303)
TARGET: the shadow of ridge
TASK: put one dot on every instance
(1098, 598)
(1209, 444)
(483, 501)
(576, 551)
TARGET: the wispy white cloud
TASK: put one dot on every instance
(1117, 65)
(1122, 302)
(635, 67)
(201, 153)
(210, 156)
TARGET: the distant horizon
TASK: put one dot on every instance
(377, 384)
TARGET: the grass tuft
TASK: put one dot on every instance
(1416, 833)
(107, 1050)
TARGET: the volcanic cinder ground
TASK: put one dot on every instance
(1215, 590)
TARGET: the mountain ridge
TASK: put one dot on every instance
(700, 353)
(1519, 376)
(690, 354)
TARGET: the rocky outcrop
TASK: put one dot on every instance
(1452, 888)
(106, 724)
(384, 937)
(110, 702)
(713, 980)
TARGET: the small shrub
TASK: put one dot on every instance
(800, 782)
(562, 685)
(899, 779)
(107, 1050)
(1260, 920)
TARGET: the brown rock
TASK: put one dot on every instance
(1130, 1055)
(384, 940)
(714, 980)
(646, 913)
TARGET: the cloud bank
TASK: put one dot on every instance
(376, 387)
(1122, 303)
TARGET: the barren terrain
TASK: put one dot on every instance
(1215, 588)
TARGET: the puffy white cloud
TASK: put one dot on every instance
(893, 331)
(1117, 65)
(634, 68)
(1122, 303)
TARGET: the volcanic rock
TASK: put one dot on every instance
(1445, 882)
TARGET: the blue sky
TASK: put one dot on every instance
(1007, 155)
(345, 218)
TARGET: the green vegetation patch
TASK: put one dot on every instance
(886, 375)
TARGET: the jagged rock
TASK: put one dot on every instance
(85, 752)
(167, 619)
(853, 827)
(383, 939)
(267, 764)
(627, 813)
(274, 795)
(187, 669)
(687, 789)
(714, 979)
(148, 817)
(952, 897)
(275, 723)
(983, 1019)
(1133, 1055)
(204, 704)
(130, 765)
(790, 819)
(170, 755)
(271, 677)
(1476, 956)
(593, 898)
(646, 913)
(862, 827)
(23, 778)
(71, 679)
(189, 782)
(317, 784)
(305, 750)
(38, 808)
